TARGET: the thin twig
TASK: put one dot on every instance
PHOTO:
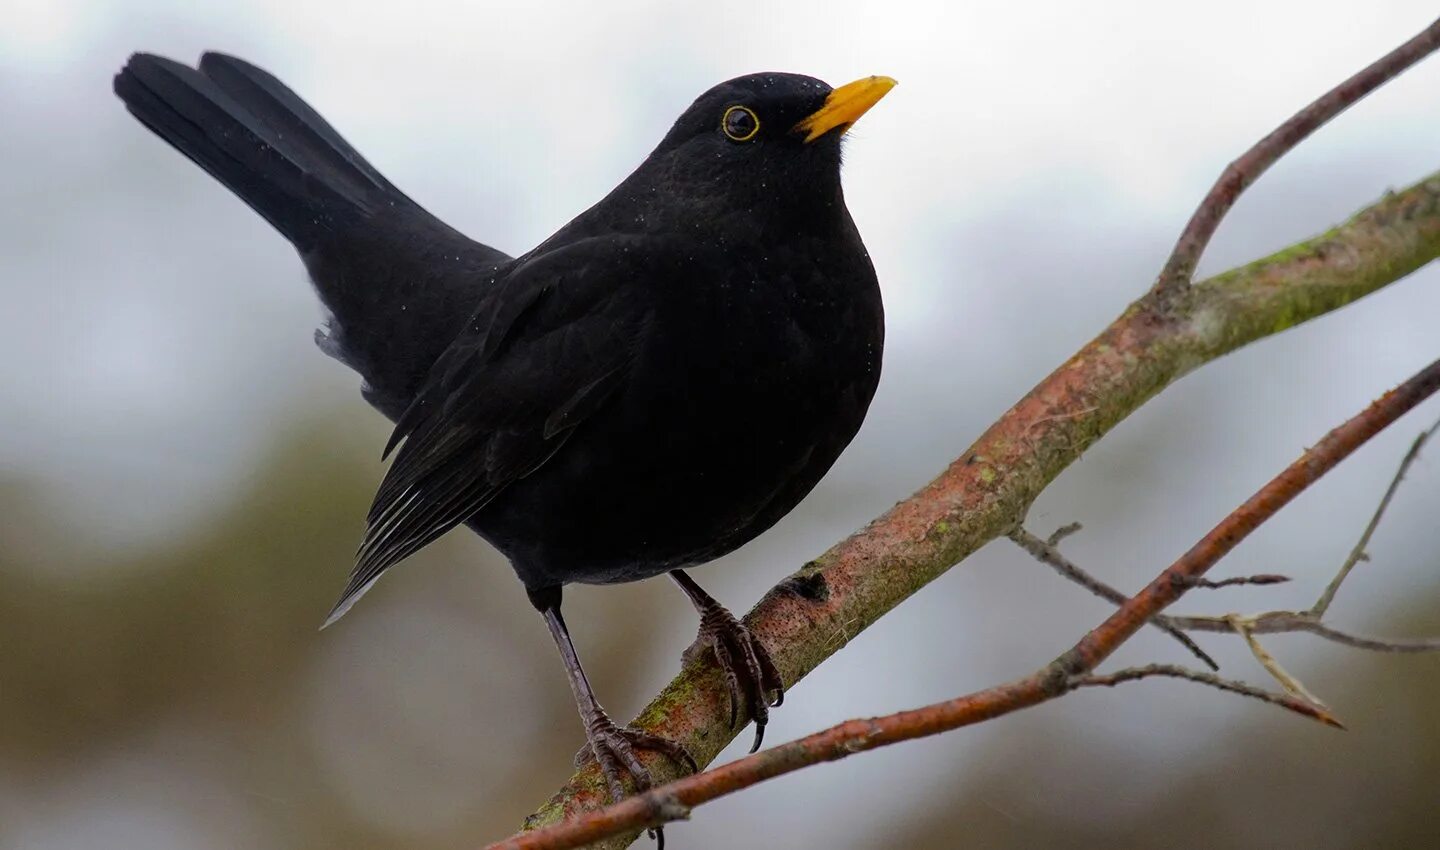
(1373, 644)
(1287, 680)
(1358, 553)
(1054, 680)
(1237, 581)
(1046, 552)
(1063, 532)
(1276, 622)
(1270, 622)
(1310, 467)
(1130, 674)
(1241, 173)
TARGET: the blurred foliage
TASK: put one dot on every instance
(218, 632)
(217, 622)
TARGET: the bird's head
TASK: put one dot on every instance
(769, 139)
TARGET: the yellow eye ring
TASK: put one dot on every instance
(740, 123)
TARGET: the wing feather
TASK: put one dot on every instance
(540, 357)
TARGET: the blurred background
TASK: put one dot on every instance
(183, 476)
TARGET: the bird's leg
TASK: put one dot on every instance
(611, 745)
(750, 673)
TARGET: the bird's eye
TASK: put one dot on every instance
(740, 124)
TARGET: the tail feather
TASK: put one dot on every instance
(288, 164)
(397, 282)
(293, 120)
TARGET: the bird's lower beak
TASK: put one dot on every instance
(844, 106)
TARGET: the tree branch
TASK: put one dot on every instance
(1238, 581)
(1271, 664)
(1067, 672)
(1046, 552)
(1131, 674)
(1241, 173)
(1275, 622)
(1358, 553)
(814, 612)
(987, 491)
(1319, 460)
(1270, 622)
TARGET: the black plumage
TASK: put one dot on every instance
(650, 388)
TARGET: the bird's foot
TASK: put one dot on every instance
(749, 672)
(614, 748)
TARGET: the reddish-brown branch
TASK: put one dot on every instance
(1241, 173)
(1046, 552)
(1271, 622)
(1062, 675)
(1172, 584)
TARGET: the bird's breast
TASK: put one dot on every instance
(754, 372)
(770, 358)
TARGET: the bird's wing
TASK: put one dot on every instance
(546, 349)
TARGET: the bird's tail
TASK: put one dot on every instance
(397, 282)
(259, 139)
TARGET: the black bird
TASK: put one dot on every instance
(648, 389)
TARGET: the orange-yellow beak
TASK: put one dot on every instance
(844, 106)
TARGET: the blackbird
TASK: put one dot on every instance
(648, 389)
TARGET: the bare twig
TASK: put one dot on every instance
(1046, 552)
(1271, 664)
(1374, 644)
(1358, 553)
(1317, 461)
(1063, 532)
(1055, 679)
(1274, 622)
(1241, 173)
(1236, 581)
(1130, 674)
(1270, 622)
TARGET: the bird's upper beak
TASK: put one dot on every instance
(844, 106)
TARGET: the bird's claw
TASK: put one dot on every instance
(753, 678)
(614, 747)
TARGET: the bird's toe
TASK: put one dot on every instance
(616, 748)
(750, 674)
